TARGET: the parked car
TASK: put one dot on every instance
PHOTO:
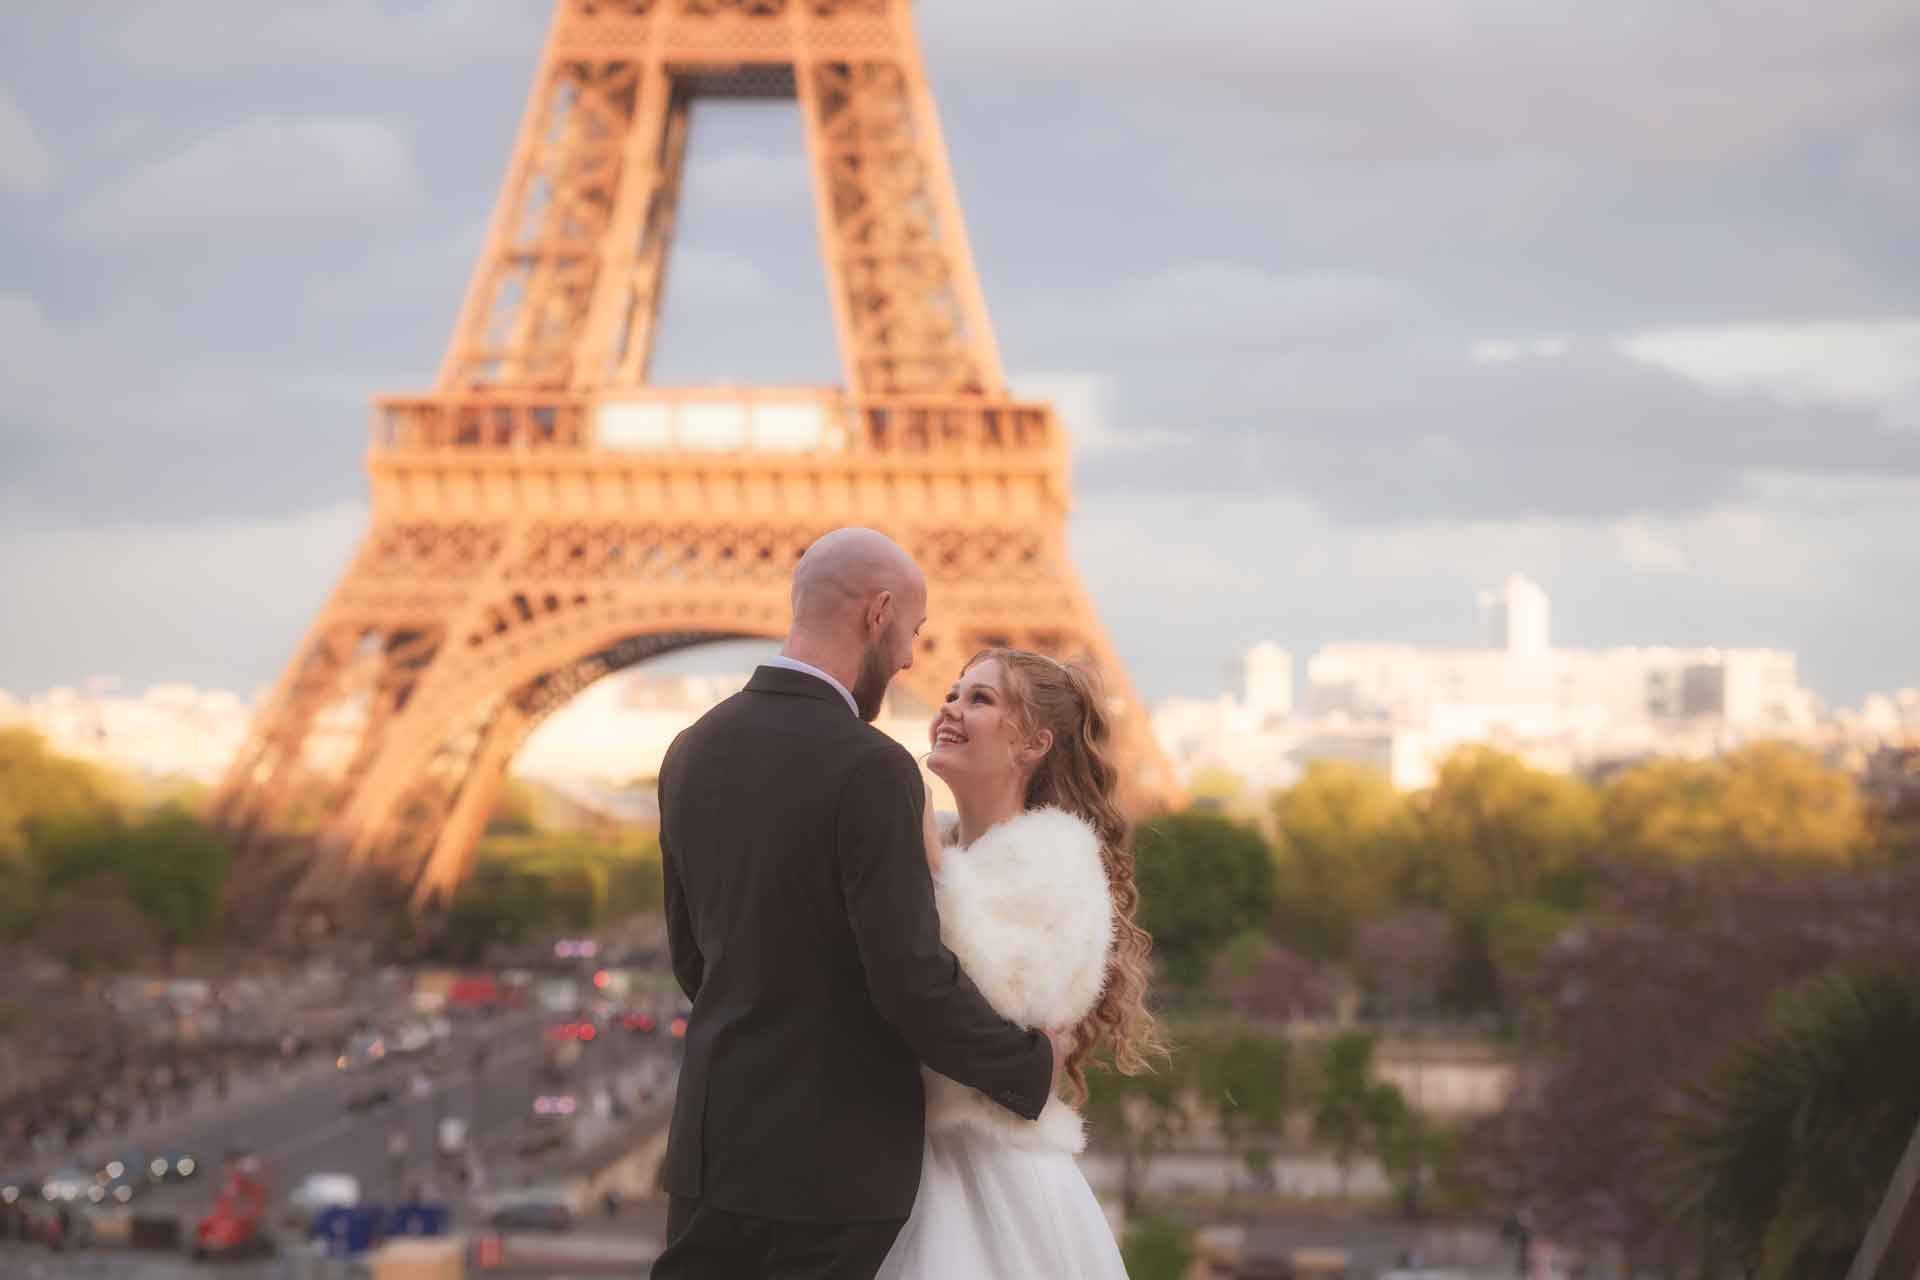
(318, 1191)
(536, 1209)
(237, 1224)
(370, 1092)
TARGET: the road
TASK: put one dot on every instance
(307, 1128)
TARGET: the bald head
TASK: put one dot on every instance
(858, 601)
(845, 570)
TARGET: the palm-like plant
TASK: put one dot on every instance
(1781, 1155)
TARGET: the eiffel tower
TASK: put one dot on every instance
(548, 515)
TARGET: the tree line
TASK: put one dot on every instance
(96, 872)
(1678, 953)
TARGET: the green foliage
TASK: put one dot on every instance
(20, 897)
(1781, 801)
(1203, 879)
(525, 885)
(1666, 809)
(1344, 836)
(513, 812)
(1496, 829)
(39, 788)
(173, 867)
(1767, 800)
(1142, 1115)
(176, 868)
(1781, 1156)
(1351, 1110)
(1518, 934)
(1157, 1248)
(1418, 1157)
(1245, 1079)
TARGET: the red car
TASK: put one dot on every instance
(237, 1223)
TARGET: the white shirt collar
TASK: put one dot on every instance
(794, 664)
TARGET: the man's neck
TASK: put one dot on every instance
(836, 664)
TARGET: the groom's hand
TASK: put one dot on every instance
(1062, 1050)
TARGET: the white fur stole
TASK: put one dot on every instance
(1026, 909)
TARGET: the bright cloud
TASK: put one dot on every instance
(1870, 362)
(1507, 350)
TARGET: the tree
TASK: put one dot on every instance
(1246, 1080)
(174, 868)
(1782, 802)
(513, 811)
(1216, 790)
(1767, 800)
(1141, 1114)
(38, 787)
(1343, 837)
(1782, 1154)
(1637, 1003)
(1517, 937)
(93, 924)
(1495, 829)
(1414, 1154)
(1400, 960)
(1202, 880)
(1157, 1248)
(1667, 808)
(1262, 981)
(1350, 1107)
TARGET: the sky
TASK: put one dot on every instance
(1352, 309)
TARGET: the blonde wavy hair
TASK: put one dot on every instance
(1079, 776)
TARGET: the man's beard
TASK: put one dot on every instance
(870, 686)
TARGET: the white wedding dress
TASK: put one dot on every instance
(1026, 910)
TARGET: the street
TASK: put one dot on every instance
(304, 1126)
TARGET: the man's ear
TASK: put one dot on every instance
(879, 611)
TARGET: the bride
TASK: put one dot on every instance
(1036, 896)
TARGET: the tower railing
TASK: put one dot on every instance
(717, 420)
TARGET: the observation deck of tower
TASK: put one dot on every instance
(547, 514)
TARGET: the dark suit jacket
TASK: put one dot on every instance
(801, 919)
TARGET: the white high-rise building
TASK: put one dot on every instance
(1515, 617)
(1266, 680)
(1521, 687)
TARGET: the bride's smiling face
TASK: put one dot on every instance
(974, 733)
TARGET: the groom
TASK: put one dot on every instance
(801, 920)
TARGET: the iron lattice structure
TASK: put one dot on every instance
(547, 515)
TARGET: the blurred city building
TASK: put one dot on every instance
(1397, 708)
(1403, 709)
(170, 731)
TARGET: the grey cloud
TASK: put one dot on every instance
(97, 431)
(1183, 583)
(1391, 434)
(185, 36)
(1273, 230)
(24, 166)
(273, 172)
(1382, 79)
